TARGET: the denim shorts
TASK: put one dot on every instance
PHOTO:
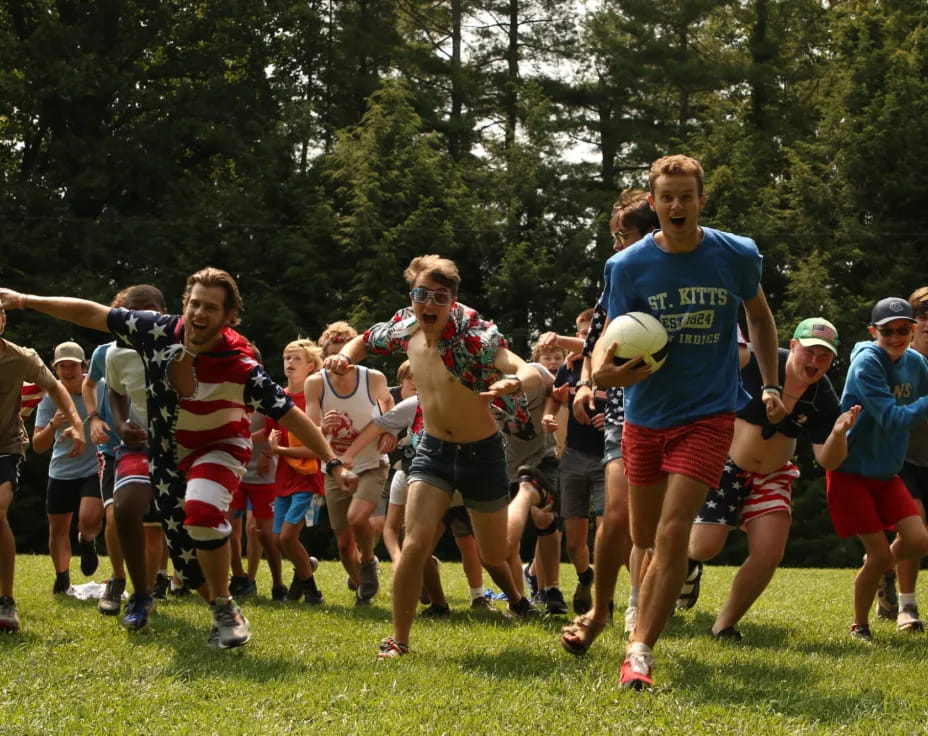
(477, 469)
(613, 449)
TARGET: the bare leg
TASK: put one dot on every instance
(129, 506)
(348, 554)
(767, 537)
(470, 560)
(392, 529)
(878, 558)
(7, 542)
(663, 514)
(490, 530)
(425, 506)
(613, 542)
(113, 548)
(907, 570)
(359, 521)
(59, 544)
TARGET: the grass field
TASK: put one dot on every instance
(312, 670)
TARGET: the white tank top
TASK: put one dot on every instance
(355, 410)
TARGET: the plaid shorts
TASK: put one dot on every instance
(697, 450)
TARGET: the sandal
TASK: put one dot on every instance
(585, 630)
(390, 648)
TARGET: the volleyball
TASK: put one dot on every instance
(638, 333)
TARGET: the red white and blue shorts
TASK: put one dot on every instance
(743, 496)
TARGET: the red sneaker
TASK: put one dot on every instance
(636, 671)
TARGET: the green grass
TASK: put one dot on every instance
(308, 670)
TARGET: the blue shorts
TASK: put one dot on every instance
(477, 469)
(291, 509)
(613, 450)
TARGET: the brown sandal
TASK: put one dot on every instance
(583, 628)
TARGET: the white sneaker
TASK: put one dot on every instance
(631, 620)
(908, 619)
(231, 625)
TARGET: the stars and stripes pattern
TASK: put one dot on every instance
(204, 438)
(743, 496)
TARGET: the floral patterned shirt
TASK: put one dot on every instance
(467, 347)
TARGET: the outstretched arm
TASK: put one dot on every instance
(79, 311)
(296, 422)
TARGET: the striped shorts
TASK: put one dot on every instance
(697, 450)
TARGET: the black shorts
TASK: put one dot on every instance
(64, 496)
(106, 470)
(915, 478)
(9, 469)
(458, 521)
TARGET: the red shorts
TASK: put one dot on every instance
(697, 450)
(860, 505)
(261, 497)
(131, 468)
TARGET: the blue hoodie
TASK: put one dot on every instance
(894, 397)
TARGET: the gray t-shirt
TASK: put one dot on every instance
(530, 444)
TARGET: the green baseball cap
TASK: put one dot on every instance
(817, 331)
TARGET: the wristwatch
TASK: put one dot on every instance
(329, 465)
(584, 383)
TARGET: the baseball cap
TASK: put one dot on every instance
(69, 351)
(817, 331)
(890, 308)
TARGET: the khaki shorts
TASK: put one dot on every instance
(370, 488)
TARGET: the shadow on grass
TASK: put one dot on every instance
(778, 689)
(514, 664)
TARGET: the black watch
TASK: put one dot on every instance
(584, 383)
(329, 465)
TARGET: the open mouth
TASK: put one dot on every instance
(811, 371)
(429, 319)
(677, 221)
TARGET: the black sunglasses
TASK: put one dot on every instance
(890, 331)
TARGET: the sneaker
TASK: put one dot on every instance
(9, 618)
(295, 591)
(111, 600)
(436, 610)
(887, 602)
(370, 582)
(62, 582)
(237, 583)
(729, 633)
(636, 671)
(861, 632)
(530, 580)
(212, 638)
(554, 602)
(313, 563)
(631, 620)
(522, 610)
(352, 585)
(311, 594)
(89, 559)
(250, 588)
(908, 619)
(160, 589)
(689, 593)
(583, 598)
(138, 609)
(481, 604)
(177, 588)
(231, 624)
(359, 601)
(279, 593)
(540, 598)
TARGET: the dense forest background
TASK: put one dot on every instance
(314, 148)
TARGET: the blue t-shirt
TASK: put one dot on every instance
(97, 372)
(893, 397)
(696, 296)
(62, 467)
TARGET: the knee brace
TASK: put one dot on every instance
(556, 525)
